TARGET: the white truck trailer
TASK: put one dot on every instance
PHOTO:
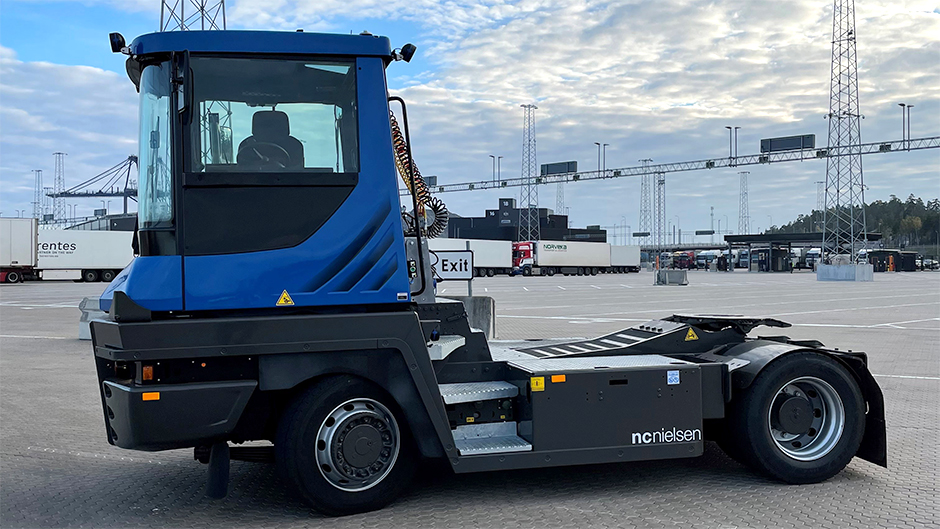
(560, 257)
(490, 258)
(17, 249)
(624, 259)
(82, 255)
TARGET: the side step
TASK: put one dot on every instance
(490, 438)
(475, 391)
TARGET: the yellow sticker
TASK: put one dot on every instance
(284, 300)
(689, 336)
(470, 419)
(537, 383)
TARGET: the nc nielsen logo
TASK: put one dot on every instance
(667, 436)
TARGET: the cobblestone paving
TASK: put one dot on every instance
(57, 469)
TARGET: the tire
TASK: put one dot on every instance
(107, 275)
(329, 410)
(89, 276)
(594, 271)
(551, 272)
(14, 277)
(580, 271)
(527, 272)
(490, 272)
(812, 439)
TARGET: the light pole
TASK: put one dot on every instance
(598, 155)
(19, 213)
(498, 175)
(605, 159)
(679, 228)
(493, 156)
(730, 141)
(771, 225)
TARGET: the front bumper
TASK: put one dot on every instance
(163, 417)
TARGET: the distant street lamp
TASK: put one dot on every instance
(605, 159)
(771, 221)
(598, 155)
(493, 156)
(498, 174)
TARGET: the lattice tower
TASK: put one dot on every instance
(58, 187)
(712, 216)
(184, 15)
(744, 216)
(37, 194)
(529, 196)
(646, 208)
(560, 199)
(844, 226)
(46, 201)
(216, 116)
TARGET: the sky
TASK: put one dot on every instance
(657, 80)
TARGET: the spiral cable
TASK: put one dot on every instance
(416, 184)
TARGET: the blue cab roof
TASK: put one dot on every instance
(275, 42)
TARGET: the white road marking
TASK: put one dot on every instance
(907, 376)
(597, 287)
(526, 289)
(561, 287)
(35, 337)
(625, 286)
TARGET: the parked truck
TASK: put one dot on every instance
(315, 326)
(490, 258)
(78, 255)
(18, 243)
(548, 258)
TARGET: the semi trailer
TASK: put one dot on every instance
(623, 259)
(490, 258)
(314, 325)
(78, 255)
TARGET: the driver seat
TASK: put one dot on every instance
(272, 126)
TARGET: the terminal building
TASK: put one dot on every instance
(503, 224)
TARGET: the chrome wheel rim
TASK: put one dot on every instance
(357, 445)
(798, 436)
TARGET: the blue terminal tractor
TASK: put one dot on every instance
(283, 293)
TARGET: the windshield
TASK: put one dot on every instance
(271, 115)
(155, 198)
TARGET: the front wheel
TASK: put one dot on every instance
(13, 277)
(800, 421)
(342, 447)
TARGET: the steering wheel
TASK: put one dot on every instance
(263, 156)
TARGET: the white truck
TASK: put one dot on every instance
(83, 255)
(490, 258)
(624, 259)
(560, 257)
(17, 249)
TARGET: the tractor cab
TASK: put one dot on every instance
(267, 176)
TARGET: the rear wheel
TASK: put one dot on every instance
(551, 272)
(107, 275)
(490, 272)
(89, 276)
(343, 448)
(800, 421)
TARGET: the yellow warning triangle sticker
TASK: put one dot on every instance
(689, 336)
(284, 300)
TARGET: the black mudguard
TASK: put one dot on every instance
(759, 353)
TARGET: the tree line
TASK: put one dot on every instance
(901, 223)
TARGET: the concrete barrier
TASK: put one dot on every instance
(481, 312)
(845, 272)
(672, 277)
(90, 311)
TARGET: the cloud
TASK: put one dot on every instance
(653, 79)
(88, 113)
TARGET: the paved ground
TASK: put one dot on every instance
(57, 469)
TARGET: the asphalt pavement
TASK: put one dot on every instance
(58, 470)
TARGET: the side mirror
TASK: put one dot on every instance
(408, 51)
(117, 42)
